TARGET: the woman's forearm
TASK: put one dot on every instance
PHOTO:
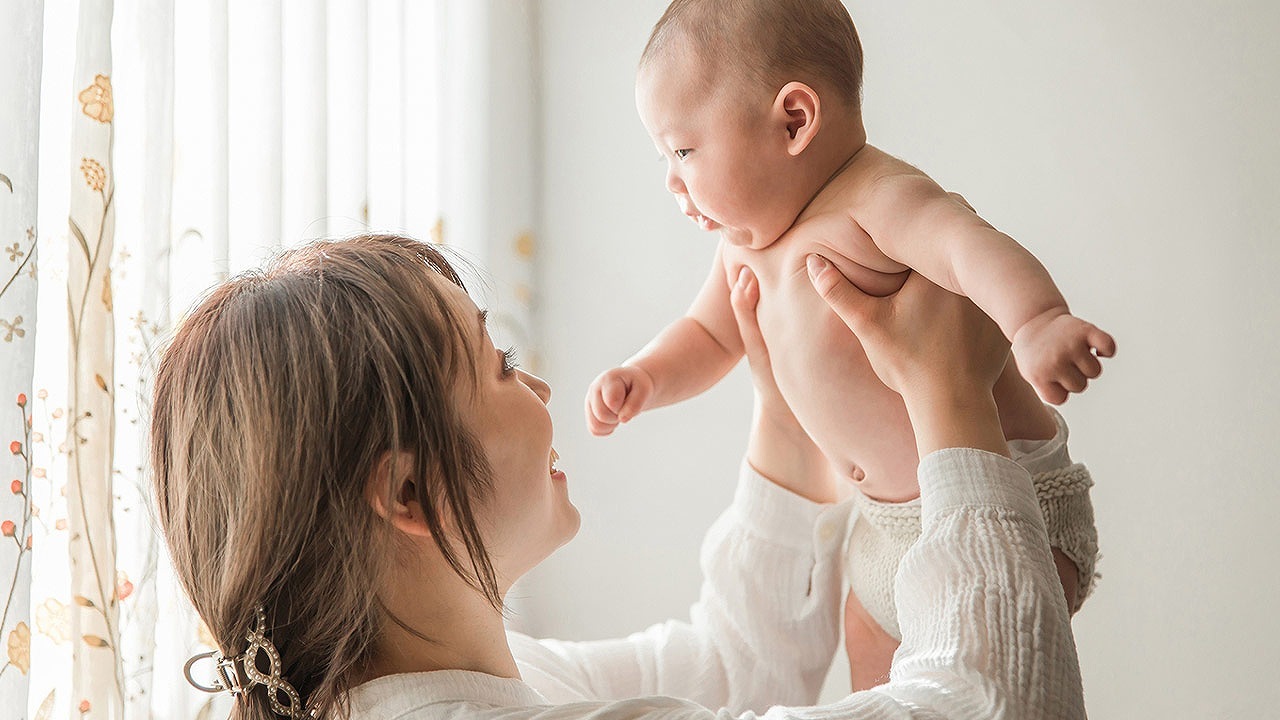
(952, 415)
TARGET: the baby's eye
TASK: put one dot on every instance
(683, 153)
(509, 363)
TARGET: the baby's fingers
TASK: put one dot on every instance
(1052, 393)
(1071, 379)
(633, 404)
(1104, 344)
(600, 419)
(1088, 365)
(613, 394)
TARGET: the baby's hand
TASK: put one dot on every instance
(617, 396)
(1058, 353)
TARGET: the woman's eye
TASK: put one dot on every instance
(683, 153)
(509, 363)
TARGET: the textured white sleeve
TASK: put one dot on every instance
(762, 633)
(985, 628)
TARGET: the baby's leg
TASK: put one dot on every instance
(870, 648)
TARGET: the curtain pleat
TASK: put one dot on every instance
(97, 678)
(21, 42)
(305, 93)
(347, 106)
(255, 88)
(421, 111)
(143, 38)
(386, 118)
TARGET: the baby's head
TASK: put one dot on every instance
(734, 93)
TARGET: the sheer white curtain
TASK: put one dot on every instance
(149, 148)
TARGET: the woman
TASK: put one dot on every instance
(350, 476)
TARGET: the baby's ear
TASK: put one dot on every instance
(799, 108)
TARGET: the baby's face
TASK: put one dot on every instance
(723, 163)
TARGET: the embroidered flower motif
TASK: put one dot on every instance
(22, 400)
(124, 588)
(52, 621)
(15, 487)
(7, 528)
(525, 245)
(15, 252)
(12, 329)
(20, 647)
(15, 447)
(94, 174)
(96, 100)
(84, 706)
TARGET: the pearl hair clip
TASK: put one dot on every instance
(229, 670)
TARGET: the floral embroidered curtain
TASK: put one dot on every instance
(149, 148)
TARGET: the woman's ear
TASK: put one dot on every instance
(797, 106)
(393, 494)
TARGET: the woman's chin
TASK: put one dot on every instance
(573, 525)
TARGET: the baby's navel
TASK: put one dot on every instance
(856, 474)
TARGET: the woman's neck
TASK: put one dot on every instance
(450, 626)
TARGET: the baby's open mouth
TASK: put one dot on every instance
(701, 220)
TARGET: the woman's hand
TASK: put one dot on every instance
(779, 448)
(934, 348)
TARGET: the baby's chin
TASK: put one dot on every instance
(744, 238)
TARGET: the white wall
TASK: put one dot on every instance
(1134, 147)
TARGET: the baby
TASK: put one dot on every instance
(756, 107)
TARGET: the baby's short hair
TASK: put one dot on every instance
(769, 42)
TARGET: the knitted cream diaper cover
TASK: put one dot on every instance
(881, 533)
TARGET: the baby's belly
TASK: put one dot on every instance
(823, 373)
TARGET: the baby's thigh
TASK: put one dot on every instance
(869, 647)
(1069, 575)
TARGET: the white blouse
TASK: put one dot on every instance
(984, 624)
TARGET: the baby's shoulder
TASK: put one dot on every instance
(874, 170)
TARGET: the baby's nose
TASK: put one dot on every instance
(675, 184)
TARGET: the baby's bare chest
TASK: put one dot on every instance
(788, 303)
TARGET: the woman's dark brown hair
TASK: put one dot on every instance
(274, 402)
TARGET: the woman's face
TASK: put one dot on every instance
(528, 515)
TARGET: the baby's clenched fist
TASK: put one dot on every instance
(617, 396)
(1058, 354)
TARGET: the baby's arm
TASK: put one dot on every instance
(687, 357)
(915, 222)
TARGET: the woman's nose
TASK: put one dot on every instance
(537, 384)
